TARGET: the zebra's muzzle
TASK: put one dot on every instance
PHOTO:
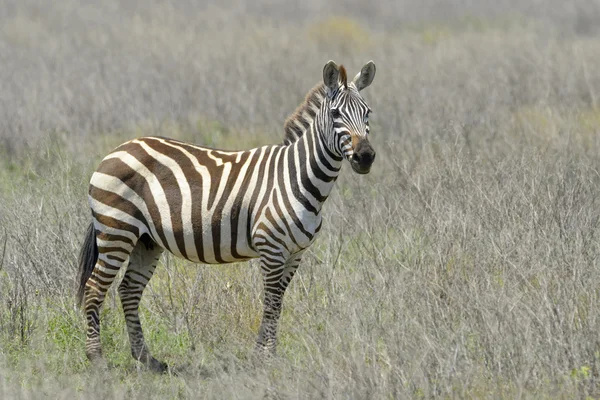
(359, 169)
(363, 157)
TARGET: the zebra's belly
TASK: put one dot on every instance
(216, 243)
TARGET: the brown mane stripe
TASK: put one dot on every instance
(343, 77)
(296, 124)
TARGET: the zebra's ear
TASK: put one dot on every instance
(365, 76)
(331, 73)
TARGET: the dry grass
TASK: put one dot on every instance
(465, 265)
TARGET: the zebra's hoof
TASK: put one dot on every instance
(158, 366)
(97, 360)
(264, 355)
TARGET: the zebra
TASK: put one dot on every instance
(213, 206)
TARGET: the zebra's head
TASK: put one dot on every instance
(349, 114)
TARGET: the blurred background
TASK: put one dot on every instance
(464, 265)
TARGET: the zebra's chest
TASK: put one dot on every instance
(294, 228)
(312, 225)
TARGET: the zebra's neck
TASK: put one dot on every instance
(315, 167)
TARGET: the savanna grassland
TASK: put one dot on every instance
(464, 266)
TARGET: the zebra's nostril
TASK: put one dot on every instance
(368, 157)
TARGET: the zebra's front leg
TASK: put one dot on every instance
(277, 276)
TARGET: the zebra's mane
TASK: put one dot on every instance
(297, 124)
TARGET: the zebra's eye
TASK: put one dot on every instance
(367, 117)
(335, 113)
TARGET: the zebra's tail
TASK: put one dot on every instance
(87, 260)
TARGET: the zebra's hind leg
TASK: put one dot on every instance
(112, 253)
(142, 263)
(277, 277)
